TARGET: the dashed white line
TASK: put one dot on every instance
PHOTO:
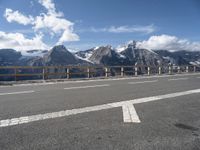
(85, 87)
(177, 79)
(13, 93)
(140, 82)
(132, 117)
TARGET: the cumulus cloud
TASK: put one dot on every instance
(52, 22)
(49, 5)
(56, 26)
(168, 42)
(16, 16)
(55, 22)
(19, 42)
(126, 29)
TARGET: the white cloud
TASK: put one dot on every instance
(68, 36)
(133, 29)
(56, 26)
(49, 5)
(16, 16)
(55, 23)
(167, 42)
(52, 22)
(19, 42)
(126, 29)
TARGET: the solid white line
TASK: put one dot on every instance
(140, 82)
(28, 119)
(98, 80)
(13, 93)
(85, 87)
(129, 113)
(177, 79)
(198, 77)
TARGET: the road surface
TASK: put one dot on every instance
(139, 113)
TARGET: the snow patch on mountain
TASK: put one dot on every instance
(85, 59)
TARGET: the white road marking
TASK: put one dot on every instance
(140, 82)
(33, 118)
(85, 87)
(129, 113)
(177, 79)
(98, 80)
(198, 77)
(13, 93)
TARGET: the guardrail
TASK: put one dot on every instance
(16, 73)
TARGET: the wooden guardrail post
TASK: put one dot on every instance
(187, 69)
(43, 73)
(179, 69)
(15, 72)
(106, 71)
(122, 71)
(136, 70)
(194, 69)
(159, 70)
(88, 72)
(148, 70)
(68, 73)
(170, 69)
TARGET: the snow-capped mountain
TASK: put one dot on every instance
(140, 56)
(180, 57)
(85, 55)
(121, 48)
(128, 54)
(106, 55)
(59, 55)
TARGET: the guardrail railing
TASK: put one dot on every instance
(16, 73)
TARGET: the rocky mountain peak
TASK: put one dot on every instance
(132, 44)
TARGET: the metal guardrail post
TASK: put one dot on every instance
(148, 70)
(159, 70)
(179, 69)
(136, 70)
(88, 72)
(122, 71)
(68, 73)
(194, 69)
(187, 69)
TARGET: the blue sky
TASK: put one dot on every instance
(81, 24)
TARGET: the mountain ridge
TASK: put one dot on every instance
(128, 54)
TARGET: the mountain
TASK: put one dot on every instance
(140, 56)
(34, 53)
(128, 54)
(180, 57)
(9, 57)
(59, 55)
(106, 55)
(85, 55)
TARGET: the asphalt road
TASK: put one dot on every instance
(163, 113)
